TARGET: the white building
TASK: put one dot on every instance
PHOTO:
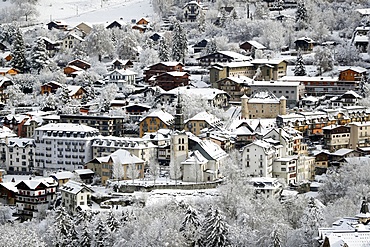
(34, 196)
(122, 77)
(258, 157)
(63, 146)
(140, 147)
(266, 186)
(194, 168)
(19, 154)
(74, 195)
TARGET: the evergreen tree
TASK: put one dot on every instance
(311, 220)
(85, 239)
(214, 230)
(299, 70)
(163, 50)
(101, 235)
(179, 42)
(276, 242)
(301, 16)
(18, 51)
(64, 96)
(190, 226)
(211, 47)
(112, 223)
(39, 58)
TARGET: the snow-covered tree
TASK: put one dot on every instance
(301, 16)
(101, 234)
(18, 51)
(154, 168)
(112, 222)
(163, 50)
(85, 239)
(118, 171)
(299, 69)
(131, 171)
(324, 59)
(190, 227)
(215, 230)
(39, 59)
(98, 42)
(211, 47)
(179, 42)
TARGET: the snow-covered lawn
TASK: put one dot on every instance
(91, 11)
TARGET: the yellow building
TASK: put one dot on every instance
(201, 121)
(132, 166)
(262, 104)
(156, 120)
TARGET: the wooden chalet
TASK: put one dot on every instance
(61, 25)
(160, 68)
(80, 64)
(171, 80)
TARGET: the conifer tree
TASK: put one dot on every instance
(101, 234)
(211, 47)
(299, 70)
(190, 226)
(163, 50)
(180, 43)
(85, 239)
(112, 223)
(18, 51)
(39, 58)
(301, 16)
(214, 230)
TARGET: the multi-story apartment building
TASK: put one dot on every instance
(156, 120)
(359, 135)
(34, 196)
(257, 159)
(142, 148)
(107, 125)
(19, 155)
(234, 69)
(336, 137)
(63, 146)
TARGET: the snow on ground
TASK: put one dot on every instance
(91, 11)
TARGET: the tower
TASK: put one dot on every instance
(282, 105)
(179, 116)
(245, 108)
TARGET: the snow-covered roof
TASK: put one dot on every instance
(365, 11)
(274, 83)
(243, 130)
(308, 78)
(67, 127)
(73, 187)
(342, 151)
(10, 186)
(20, 142)
(354, 68)
(123, 72)
(162, 115)
(72, 89)
(33, 183)
(273, 61)
(5, 69)
(205, 116)
(213, 150)
(353, 93)
(261, 143)
(83, 171)
(205, 93)
(176, 73)
(310, 99)
(361, 38)
(170, 64)
(237, 64)
(74, 35)
(236, 56)
(195, 157)
(263, 97)
(240, 79)
(62, 175)
(121, 156)
(256, 44)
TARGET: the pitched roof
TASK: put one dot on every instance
(162, 115)
(74, 187)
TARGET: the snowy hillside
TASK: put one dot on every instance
(92, 11)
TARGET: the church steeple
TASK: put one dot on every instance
(179, 116)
